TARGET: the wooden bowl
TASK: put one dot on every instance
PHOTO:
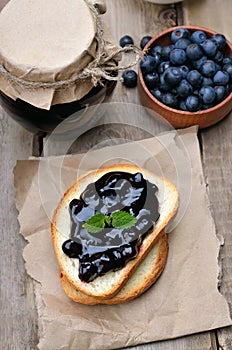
(178, 118)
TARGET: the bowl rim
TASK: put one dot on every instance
(162, 105)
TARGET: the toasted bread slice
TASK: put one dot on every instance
(109, 284)
(143, 277)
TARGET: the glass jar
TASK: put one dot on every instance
(41, 120)
(40, 57)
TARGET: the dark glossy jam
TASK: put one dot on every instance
(41, 120)
(111, 248)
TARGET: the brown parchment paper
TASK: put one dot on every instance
(184, 300)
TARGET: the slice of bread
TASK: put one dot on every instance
(143, 277)
(110, 284)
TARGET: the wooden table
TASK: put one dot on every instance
(18, 316)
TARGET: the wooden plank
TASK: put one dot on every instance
(217, 166)
(217, 152)
(212, 14)
(18, 316)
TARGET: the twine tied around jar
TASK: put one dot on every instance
(96, 70)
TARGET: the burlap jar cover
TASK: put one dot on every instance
(54, 51)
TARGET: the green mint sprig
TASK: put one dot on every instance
(95, 224)
(122, 219)
(118, 219)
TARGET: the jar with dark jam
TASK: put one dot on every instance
(48, 66)
(119, 195)
(36, 119)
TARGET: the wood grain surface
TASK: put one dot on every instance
(18, 328)
(18, 316)
(217, 153)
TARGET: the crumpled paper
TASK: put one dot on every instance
(183, 301)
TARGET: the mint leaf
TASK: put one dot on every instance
(95, 224)
(122, 219)
(108, 220)
(119, 219)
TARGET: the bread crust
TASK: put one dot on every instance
(111, 283)
(142, 278)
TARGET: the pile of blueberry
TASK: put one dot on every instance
(191, 74)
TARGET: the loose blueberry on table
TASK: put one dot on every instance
(126, 40)
(129, 78)
(192, 73)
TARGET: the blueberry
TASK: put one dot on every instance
(156, 49)
(172, 76)
(207, 106)
(208, 69)
(173, 90)
(198, 36)
(178, 56)
(163, 86)
(182, 43)
(228, 68)
(220, 40)
(129, 251)
(184, 71)
(198, 63)
(170, 100)
(165, 53)
(157, 57)
(184, 89)
(194, 52)
(218, 67)
(209, 46)
(182, 105)
(144, 41)
(151, 80)
(129, 78)
(116, 254)
(218, 57)
(72, 248)
(87, 271)
(194, 78)
(227, 59)
(207, 94)
(148, 64)
(76, 205)
(193, 103)
(220, 93)
(179, 33)
(157, 94)
(221, 78)
(126, 40)
(163, 66)
(207, 82)
(137, 178)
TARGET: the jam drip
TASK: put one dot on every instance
(111, 248)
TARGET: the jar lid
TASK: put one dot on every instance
(46, 42)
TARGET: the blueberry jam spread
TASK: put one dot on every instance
(113, 194)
